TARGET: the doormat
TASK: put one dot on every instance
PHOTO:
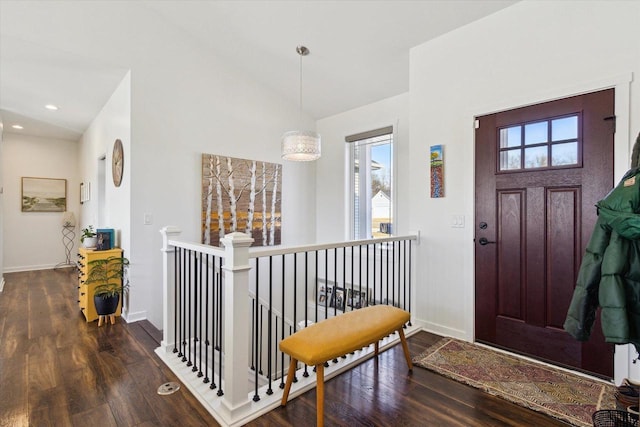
(554, 392)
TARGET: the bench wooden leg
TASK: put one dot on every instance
(320, 395)
(376, 347)
(290, 375)
(405, 347)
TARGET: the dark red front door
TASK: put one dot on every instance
(539, 172)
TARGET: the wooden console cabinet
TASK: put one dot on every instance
(85, 292)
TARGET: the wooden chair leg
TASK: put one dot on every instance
(376, 347)
(405, 347)
(290, 375)
(320, 395)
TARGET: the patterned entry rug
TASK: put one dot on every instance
(568, 397)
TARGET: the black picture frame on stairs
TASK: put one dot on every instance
(338, 299)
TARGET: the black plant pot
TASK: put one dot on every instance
(106, 306)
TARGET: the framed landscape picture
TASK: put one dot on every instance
(241, 195)
(44, 194)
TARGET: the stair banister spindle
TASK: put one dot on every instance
(284, 314)
(189, 284)
(207, 342)
(183, 301)
(270, 326)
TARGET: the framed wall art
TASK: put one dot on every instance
(437, 171)
(325, 294)
(85, 192)
(241, 195)
(44, 194)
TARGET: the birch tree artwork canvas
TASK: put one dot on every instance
(241, 195)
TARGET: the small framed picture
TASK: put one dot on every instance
(357, 298)
(105, 237)
(339, 298)
(325, 294)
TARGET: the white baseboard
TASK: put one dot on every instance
(1, 283)
(438, 329)
(32, 268)
(134, 317)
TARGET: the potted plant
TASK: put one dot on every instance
(88, 237)
(109, 275)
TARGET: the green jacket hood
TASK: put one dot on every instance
(618, 209)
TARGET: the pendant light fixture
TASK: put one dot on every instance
(301, 145)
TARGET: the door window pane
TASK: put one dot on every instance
(511, 137)
(530, 146)
(510, 160)
(564, 154)
(565, 128)
(535, 133)
(535, 157)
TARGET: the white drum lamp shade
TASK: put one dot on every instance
(301, 145)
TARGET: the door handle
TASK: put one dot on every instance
(484, 241)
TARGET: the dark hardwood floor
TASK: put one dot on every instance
(58, 370)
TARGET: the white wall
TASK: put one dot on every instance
(185, 103)
(1, 207)
(34, 239)
(332, 193)
(96, 149)
(527, 53)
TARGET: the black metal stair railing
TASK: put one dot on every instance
(287, 290)
(198, 308)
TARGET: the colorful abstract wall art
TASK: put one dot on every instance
(437, 171)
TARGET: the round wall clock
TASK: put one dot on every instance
(117, 163)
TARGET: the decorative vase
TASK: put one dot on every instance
(106, 306)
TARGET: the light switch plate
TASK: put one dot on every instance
(457, 221)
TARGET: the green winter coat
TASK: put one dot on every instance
(609, 275)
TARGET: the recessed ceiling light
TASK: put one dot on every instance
(51, 107)
(17, 127)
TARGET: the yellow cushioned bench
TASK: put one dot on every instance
(337, 336)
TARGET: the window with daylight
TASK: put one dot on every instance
(548, 144)
(372, 183)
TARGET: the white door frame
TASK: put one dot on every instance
(623, 142)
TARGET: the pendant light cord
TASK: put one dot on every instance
(302, 51)
(300, 112)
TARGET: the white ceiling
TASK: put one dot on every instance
(74, 53)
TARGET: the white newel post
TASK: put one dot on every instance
(236, 314)
(168, 290)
